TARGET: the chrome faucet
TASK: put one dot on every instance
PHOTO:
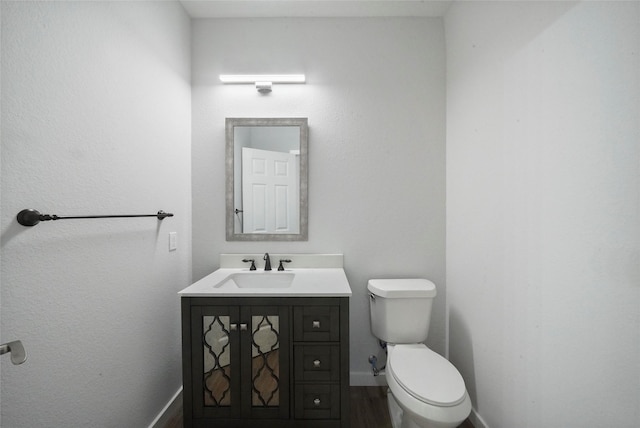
(267, 263)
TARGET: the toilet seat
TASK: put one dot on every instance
(426, 375)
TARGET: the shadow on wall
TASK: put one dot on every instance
(461, 353)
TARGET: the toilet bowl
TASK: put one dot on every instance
(425, 389)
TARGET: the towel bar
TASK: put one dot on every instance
(31, 217)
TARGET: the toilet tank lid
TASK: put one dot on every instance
(402, 288)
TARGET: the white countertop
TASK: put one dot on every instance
(307, 282)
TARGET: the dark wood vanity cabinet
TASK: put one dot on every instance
(265, 362)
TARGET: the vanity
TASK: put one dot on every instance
(267, 348)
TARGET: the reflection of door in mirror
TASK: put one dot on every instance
(269, 191)
(266, 179)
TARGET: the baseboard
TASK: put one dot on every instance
(476, 420)
(169, 411)
(367, 379)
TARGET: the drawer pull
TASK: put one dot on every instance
(316, 402)
(315, 324)
(316, 363)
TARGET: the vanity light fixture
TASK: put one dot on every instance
(263, 82)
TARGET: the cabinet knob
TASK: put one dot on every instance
(233, 327)
(316, 363)
(243, 327)
(316, 402)
(315, 324)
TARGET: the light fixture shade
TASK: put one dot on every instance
(253, 78)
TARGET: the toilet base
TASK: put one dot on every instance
(401, 419)
(397, 415)
(395, 412)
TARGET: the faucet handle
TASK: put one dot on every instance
(253, 263)
(280, 267)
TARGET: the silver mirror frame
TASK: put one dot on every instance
(302, 123)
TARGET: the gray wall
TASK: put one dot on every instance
(95, 120)
(375, 98)
(543, 211)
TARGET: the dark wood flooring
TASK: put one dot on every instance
(368, 409)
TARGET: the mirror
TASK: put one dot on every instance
(266, 179)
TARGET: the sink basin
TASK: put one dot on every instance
(258, 280)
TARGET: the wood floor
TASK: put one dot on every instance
(368, 409)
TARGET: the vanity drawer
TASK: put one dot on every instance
(317, 402)
(316, 323)
(317, 363)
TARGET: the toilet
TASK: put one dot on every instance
(425, 389)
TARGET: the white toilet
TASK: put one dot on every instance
(425, 389)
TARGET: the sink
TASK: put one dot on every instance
(258, 280)
(321, 280)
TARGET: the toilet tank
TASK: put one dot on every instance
(401, 309)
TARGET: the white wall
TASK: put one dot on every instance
(95, 120)
(1, 336)
(375, 102)
(543, 210)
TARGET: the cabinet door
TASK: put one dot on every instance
(265, 361)
(216, 361)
